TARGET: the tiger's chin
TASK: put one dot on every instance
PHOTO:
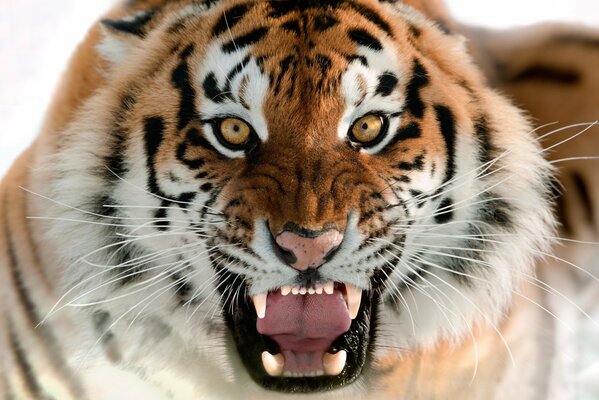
(305, 340)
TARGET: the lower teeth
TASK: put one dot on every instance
(333, 365)
(273, 364)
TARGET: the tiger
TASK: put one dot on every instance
(268, 199)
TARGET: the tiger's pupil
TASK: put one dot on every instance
(367, 129)
(235, 131)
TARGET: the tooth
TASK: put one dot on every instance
(273, 365)
(295, 290)
(303, 291)
(319, 288)
(334, 363)
(354, 297)
(329, 287)
(285, 290)
(311, 291)
(260, 304)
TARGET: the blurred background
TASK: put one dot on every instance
(37, 37)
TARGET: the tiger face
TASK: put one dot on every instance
(300, 185)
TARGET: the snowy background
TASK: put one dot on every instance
(37, 37)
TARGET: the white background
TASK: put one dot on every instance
(37, 37)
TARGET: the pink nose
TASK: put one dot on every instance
(309, 252)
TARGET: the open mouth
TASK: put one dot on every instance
(304, 339)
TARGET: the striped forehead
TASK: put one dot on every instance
(293, 48)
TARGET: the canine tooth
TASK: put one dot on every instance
(303, 291)
(273, 364)
(295, 290)
(319, 288)
(285, 290)
(329, 287)
(260, 304)
(354, 298)
(334, 363)
(311, 291)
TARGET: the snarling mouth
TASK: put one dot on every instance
(304, 339)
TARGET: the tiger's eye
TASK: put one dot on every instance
(234, 131)
(367, 129)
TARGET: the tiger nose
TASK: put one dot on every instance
(303, 251)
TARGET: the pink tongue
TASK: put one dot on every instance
(304, 327)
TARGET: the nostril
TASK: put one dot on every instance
(285, 255)
(307, 252)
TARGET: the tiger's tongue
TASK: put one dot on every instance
(304, 326)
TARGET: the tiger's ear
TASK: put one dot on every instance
(121, 36)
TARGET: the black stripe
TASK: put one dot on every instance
(363, 38)
(561, 210)
(585, 198)
(483, 133)
(154, 134)
(419, 80)
(244, 40)
(235, 71)
(196, 138)
(322, 22)
(30, 311)
(417, 164)
(351, 58)
(230, 18)
(444, 212)
(181, 80)
(545, 73)
(286, 65)
(414, 30)
(442, 25)
(25, 300)
(410, 131)
(372, 16)
(213, 92)
(495, 211)
(292, 26)
(161, 216)
(24, 366)
(283, 8)
(446, 121)
(135, 26)
(387, 83)
(183, 289)
(322, 62)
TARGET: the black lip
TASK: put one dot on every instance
(241, 320)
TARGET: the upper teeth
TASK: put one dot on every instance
(260, 304)
(353, 296)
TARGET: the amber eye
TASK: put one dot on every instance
(367, 129)
(235, 131)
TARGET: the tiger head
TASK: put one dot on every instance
(298, 186)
